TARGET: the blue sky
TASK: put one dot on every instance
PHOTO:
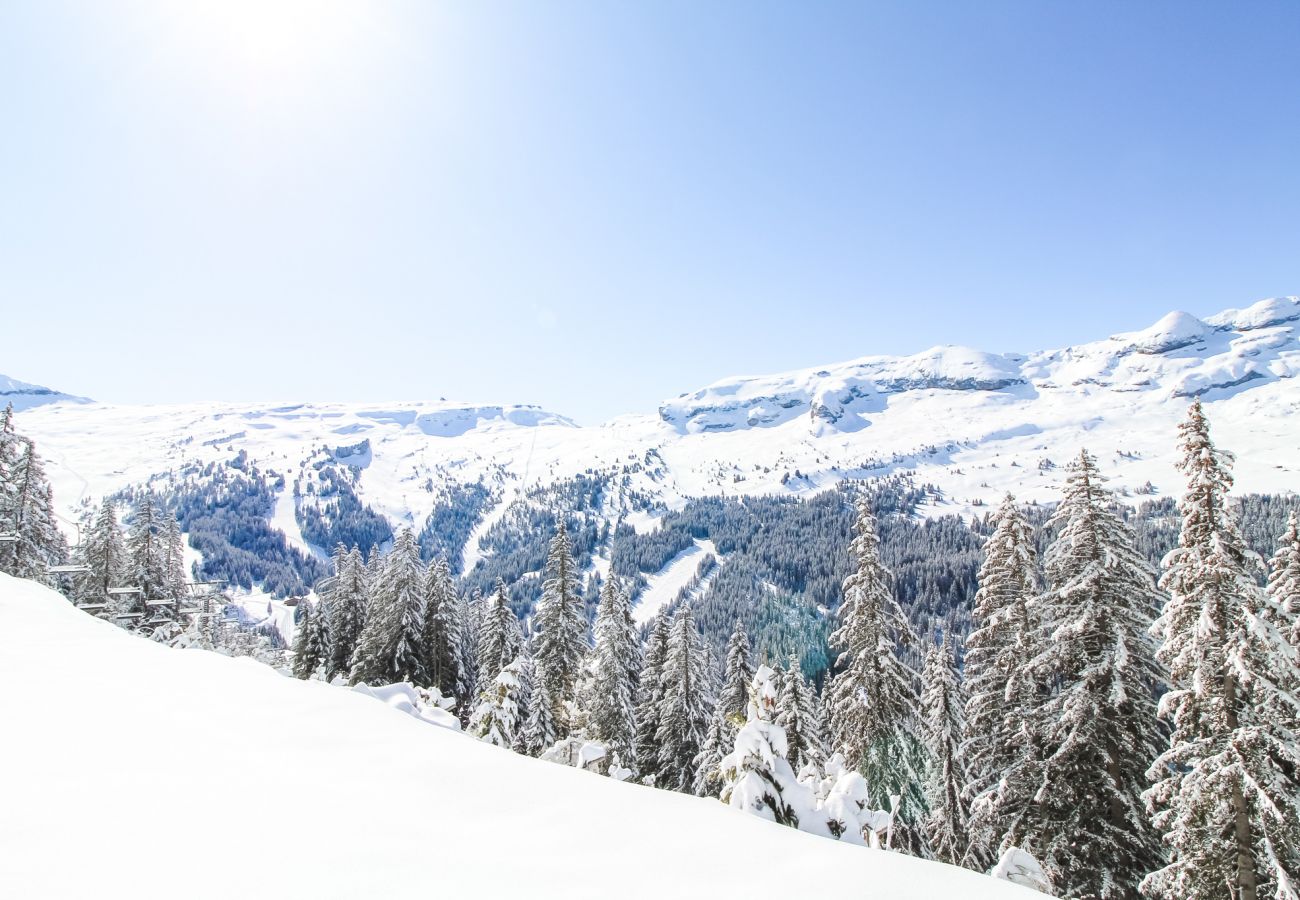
(594, 206)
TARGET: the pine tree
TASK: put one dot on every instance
(685, 706)
(757, 776)
(10, 445)
(104, 552)
(498, 715)
(346, 598)
(798, 713)
(617, 671)
(30, 514)
(650, 695)
(1284, 583)
(560, 638)
(390, 648)
(540, 728)
(441, 638)
(719, 740)
(733, 698)
(500, 635)
(999, 747)
(311, 648)
(146, 554)
(943, 710)
(872, 697)
(1226, 796)
(1098, 728)
(470, 616)
(174, 577)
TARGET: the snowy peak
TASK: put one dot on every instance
(837, 397)
(25, 396)
(1264, 314)
(1173, 332)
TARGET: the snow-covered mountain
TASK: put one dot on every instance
(24, 396)
(221, 778)
(975, 424)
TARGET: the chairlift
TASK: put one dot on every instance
(69, 569)
(8, 537)
(129, 615)
(92, 607)
(170, 601)
(127, 590)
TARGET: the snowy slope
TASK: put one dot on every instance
(25, 396)
(133, 770)
(975, 424)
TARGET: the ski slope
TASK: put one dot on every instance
(133, 770)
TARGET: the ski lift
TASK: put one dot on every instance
(167, 602)
(8, 537)
(126, 590)
(68, 569)
(92, 607)
(129, 615)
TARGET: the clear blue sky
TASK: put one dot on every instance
(594, 205)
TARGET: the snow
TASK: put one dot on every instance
(284, 518)
(25, 396)
(975, 424)
(236, 781)
(662, 587)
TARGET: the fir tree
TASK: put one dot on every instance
(346, 598)
(872, 697)
(685, 706)
(500, 636)
(540, 728)
(617, 667)
(173, 562)
(390, 648)
(30, 514)
(650, 695)
(757, 776)
(560, 638)
(311, 648)
(1099, 727)
(999, 747)
(146, 554)
(441, 638)
(1284, 583)
(104, 552)
(733, 698)
(943, 711)
(1226, 795)
(798, 713)
(719, 740)
(498, 715)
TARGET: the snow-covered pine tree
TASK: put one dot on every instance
(311, 644)
(872, 695)
(500, 635)
(346, 599)
(30, 517)
(560, 633)
(173, 563)
(1098, 728)
(650, 694)
(469, 613)
(685, 706)
(9, 450)
(943, 706)
(719, 740)
(1226, 798)
(998, 746)
(733, 697)
(104, 552)
(612, 718)
(145, 551)
(1284, 582)
(540, 728)
(799, 714)
(526, 673)
(441, 637)
(756, 775)
(498, 715)
(390, 648)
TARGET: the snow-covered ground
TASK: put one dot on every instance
(132, 770)
(975, 424)
(663, 586)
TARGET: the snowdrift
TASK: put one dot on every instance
(133, 770)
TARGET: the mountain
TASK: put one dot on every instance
(971, 423)
(232, 780)
(25, 396)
